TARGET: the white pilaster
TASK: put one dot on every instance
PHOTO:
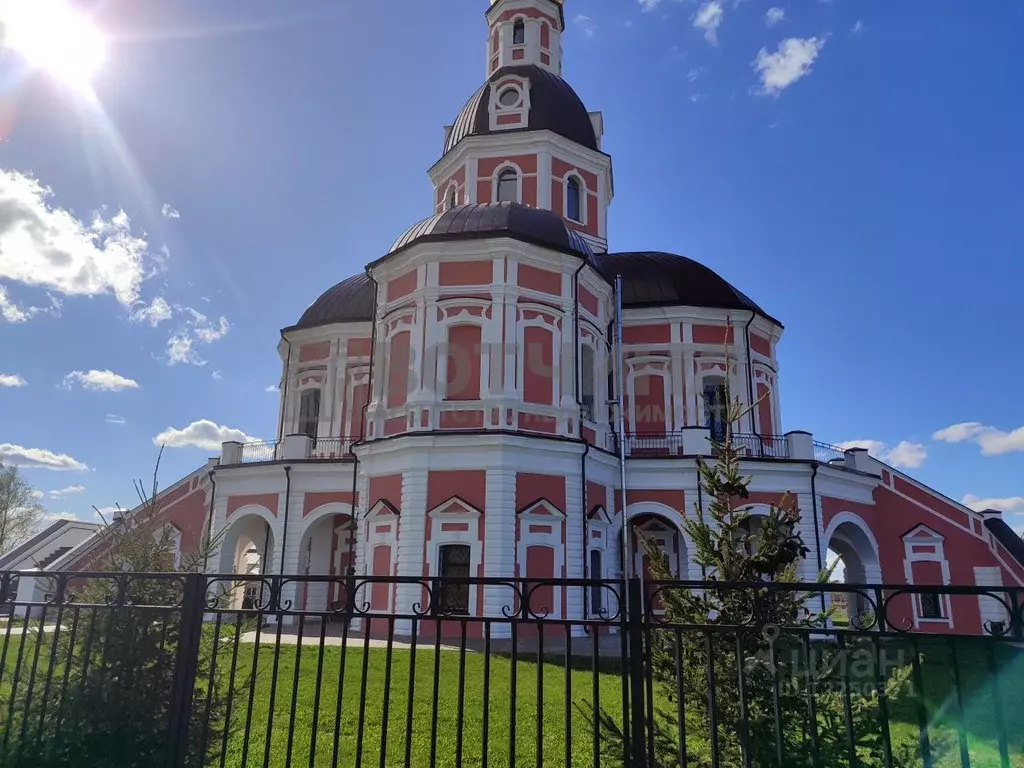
(574, 518)
(499, 542)
(411, 539)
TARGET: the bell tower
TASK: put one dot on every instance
(524, 32)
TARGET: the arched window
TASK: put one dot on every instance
(519, 33)
(587, 382)
(309, 412)
(573, 206)
(716, 407)
(508, 186)
(452, 200)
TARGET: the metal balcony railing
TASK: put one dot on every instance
(332, 448)
(762, 446)
(254, 453)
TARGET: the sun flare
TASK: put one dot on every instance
(54, 37)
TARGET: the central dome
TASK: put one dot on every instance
(484, 220)
(554, 106)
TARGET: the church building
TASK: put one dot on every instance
(454, 409)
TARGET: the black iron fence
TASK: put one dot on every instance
(172, 670)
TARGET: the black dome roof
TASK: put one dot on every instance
(350, 301)
(483, 220)
(554, 106)
(657, 279)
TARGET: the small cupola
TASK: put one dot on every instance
(525, 32)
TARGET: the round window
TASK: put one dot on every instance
(509, 97)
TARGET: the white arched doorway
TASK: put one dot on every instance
(325, 549)
(247, 549)
(854, 552)
(664, 526)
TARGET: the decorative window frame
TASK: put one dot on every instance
(584, 196)
(936, 541)
(589, 342)
(445, 327)
(681, 558)
(649, 365)
(549, 322)
(376, 516)
(456, 510)
(520, 110)
(543, 512)
(451, 197)
(507, 165)
(352, 421)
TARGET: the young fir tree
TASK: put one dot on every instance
(760, 647)
(113, 666)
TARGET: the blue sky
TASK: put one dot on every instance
(852, 165)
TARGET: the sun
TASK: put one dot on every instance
(54, 37)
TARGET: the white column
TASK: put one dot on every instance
(499, 542)
(574, 518)
(692, 417)
(677, 381)
(329, 400)
(532, 42)
(411, 538)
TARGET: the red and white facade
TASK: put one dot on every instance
(464, 427)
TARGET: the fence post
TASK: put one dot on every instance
(637, 687)
(189, 635)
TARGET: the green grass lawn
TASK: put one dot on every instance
(369, 690)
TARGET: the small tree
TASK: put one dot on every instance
(20, 510)
(120, 668)
(768, 665)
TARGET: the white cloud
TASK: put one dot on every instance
(11, 380)
(169, 212)
(857, 29)
(649, 5)
(49, 247)
(773, 16)
(36, 494)
(155, 313)
(13, 312)
(113, 418)
(99, 381)
(63, 492)
(586, 24)
(271, 388)
(201, 434)
(993, 441)
(37, 458)
(905, 454)
(217, 375)
(709, 18)
(181, 344)
(788, 64)
(1013, 505)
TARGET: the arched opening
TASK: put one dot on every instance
(669, 539)
(452, 200)
(716, 406)
(508, 186)
(853, 553)
(573, 206)
(247, 549)
(325, 549)
(519, 33)
(309, 413)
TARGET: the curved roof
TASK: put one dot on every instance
(484, 220)
(350, 301)
(658, 279)
(554, 106)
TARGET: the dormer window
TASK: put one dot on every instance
(519, 33)
(508, 186)
(510, 97)
(573, 206)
